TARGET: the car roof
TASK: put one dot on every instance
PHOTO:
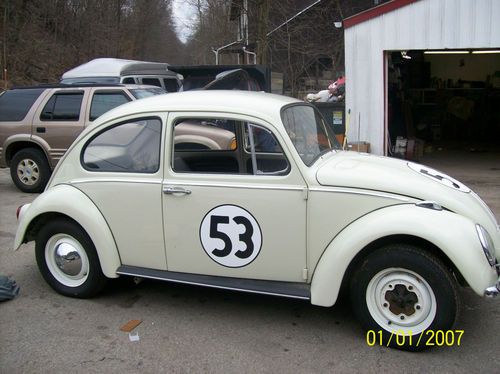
(84, 85)
(115, 67)
(258, 104)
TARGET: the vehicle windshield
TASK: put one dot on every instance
(308, 132)
(141, 93)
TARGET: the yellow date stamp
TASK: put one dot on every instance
(427, 338)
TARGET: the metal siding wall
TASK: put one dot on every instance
(426, 24)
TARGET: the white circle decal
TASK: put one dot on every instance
(230, 236)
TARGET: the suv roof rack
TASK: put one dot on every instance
(74, 85)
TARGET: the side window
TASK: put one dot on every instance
(63, 107)
(104, 101)
(151, 81)
(130, 147)
(128, 80)
(216, 145)
(268, 157)
(170, 85)
(205, 146)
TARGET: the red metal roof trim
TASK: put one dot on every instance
(375, 12)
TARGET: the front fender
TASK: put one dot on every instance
(83, 211)
(454, 234)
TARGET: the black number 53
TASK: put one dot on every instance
(245, 237)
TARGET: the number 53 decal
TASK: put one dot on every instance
(230, 236)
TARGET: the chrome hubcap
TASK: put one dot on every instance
(28, 171)
(401, 300)
(67, 260)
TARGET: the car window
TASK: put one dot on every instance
(141, 93)
(128, 80)
(130, 147)
(171, 84)
(63, 107)
(104, 101)
(15, 104)
(151, 81)
(212, 145)
(308, 132)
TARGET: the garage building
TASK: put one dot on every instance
(427, 71)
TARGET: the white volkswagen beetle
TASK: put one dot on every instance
(276, 209)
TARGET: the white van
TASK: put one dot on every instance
(114, 70)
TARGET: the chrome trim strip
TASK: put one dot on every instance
(115, 180)
(247, 186)
(360, 192)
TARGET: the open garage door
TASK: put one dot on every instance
(443, 100)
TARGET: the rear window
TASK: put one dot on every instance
(141, 93)
(15, 104)
(104, 101)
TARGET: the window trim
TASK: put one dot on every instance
(107, 128)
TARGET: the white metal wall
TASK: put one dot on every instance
(425, 24)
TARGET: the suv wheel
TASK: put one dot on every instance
(30, 170)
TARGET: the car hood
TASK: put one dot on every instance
(364, 171)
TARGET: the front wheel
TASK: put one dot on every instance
(68, 260)
(402, 290)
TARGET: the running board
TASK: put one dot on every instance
(292, 290)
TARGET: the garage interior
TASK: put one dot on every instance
(443, 102)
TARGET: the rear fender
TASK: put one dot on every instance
(71, 202)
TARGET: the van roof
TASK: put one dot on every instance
(115, 67)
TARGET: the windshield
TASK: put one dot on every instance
(141, 93)
(308, 132)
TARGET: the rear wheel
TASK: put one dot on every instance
(30, 170)
(402, 290)
(68, 260)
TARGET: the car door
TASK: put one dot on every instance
(228, 211)
(60, 119)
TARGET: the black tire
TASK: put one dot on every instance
(401, 295)
(29, 170)
(68, 236)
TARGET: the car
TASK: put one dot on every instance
(279, 210)
(38, 124)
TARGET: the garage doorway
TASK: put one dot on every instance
(440, 101)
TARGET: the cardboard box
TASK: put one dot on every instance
(359, 147)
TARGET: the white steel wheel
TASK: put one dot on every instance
(67, 260)
(401, 300)
(403, 290)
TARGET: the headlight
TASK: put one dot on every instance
(487, 244)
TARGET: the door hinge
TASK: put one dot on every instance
(305, 274)
(305, 193)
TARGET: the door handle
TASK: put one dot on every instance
(170, 190)
(40, 130)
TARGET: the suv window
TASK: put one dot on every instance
(104, 101)
(210, 145)
(63, 107)
(15, 104)
(170, 85)
(130, 147)
(129, 80)
(151, 81)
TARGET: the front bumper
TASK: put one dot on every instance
(493, 291)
